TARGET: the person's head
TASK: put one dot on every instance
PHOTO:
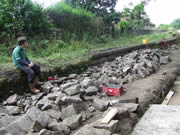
(22, 41)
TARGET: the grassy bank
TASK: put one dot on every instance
(53, 53)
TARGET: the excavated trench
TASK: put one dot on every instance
(76, 104)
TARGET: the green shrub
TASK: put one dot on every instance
(71, 20)
(21, 17)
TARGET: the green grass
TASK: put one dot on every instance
(56, 53)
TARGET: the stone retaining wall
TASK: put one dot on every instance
(15, 81)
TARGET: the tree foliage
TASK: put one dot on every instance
(135, 18)
(176, 23)
(164, 26)
(76, 21)
(21, 16)
(102, 8)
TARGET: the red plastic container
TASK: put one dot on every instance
(51, 79)
(114, 90)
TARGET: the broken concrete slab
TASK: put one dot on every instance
(159, 120)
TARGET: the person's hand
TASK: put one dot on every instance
(31, 65)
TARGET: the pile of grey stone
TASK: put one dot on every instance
(60, 110)
(133, 66)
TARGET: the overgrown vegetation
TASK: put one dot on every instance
(56, 52)
(21, 16)
(174, 25)
(75, 22)
(135, 18)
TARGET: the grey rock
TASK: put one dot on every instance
(67, 85)
(47, 86)
(91, 109)
(95, 75)
(149, 63)
(100, 105)
(126, 69)
(71, 99)
(126, 126)
(37, 96)
(86, 115)
(44, 104)
(55, 89)
(143, 73)
(55, 126)
(20, 126)
(73, 90)
(48, 132)
(72, 76)
(79, 107)
(92, 90)
(165, 60)
(73, 122)
(55, 107)
(26, 108)
(6, 119)
(88, 130)
(44, 119)
(36, 126)
(23, 125)
(122, 113)
(54, 114)
(73, 109)
(112, 126)
(104, 79)
(131, 107)
(14, 110)
(52, 96)
(58, 99)
(20, 103)
(86, 83)
(155, 66)
(68, 111)
(12, 99)
(33, 113)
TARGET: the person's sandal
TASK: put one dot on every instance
(35, 91)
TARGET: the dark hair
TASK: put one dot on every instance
(21, 40)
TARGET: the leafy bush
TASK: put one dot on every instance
(21, 16)
(71, 20)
